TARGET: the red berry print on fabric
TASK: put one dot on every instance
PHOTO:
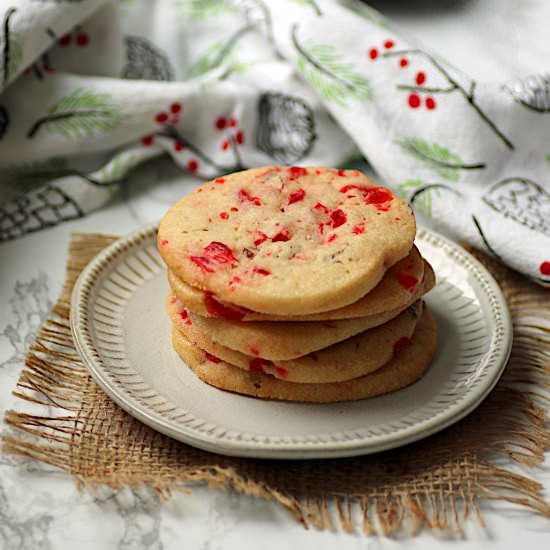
(220, 123)
(170, 116)
(245, 196)
(413, 101)
(192, 165)
(373, 53)
(239, 137)
(225, 145)
(296, 196)
(232, 122)
(175, 108)
(82, 39)
(389, 44)
(544, 268)
(217, 309)
(65, 40)
(420, 78)
(337, 218)
(212, 358)
(430, 103)
(408, 282)
(178, 146)
(403, 62)
(400, 344)
(161, 118)
(147, 140)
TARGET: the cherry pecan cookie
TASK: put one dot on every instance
(354, 357)
(287, 241)
(395, 290)
(407, 366)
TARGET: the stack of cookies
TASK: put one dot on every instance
(298, 284)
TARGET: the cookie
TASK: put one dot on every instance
(280, 341)
(407, 366)
(393, 291)
(349, 359)
(287, 241)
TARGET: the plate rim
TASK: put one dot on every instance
(285, 450)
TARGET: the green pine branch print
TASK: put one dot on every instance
(367, 12)
(217, 54)
(334, 79)
(12, 51)
(424, 202)
(81, 113)
(199, 10)
(118, 167)
(310, 3)
(439, 159)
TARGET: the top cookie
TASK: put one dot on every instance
(287, 240)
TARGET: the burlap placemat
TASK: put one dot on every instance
(435, 483)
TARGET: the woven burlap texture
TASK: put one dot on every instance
(435, 483)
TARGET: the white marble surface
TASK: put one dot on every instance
(40, 508)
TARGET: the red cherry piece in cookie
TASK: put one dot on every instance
(322, 207)
(261, 271)
(408, 282)
(192, 165)
(164, 242)
(337, 218)
(183, 314)
(420, 78)
(414, 101)
(245, 196)
(358, 229)
(82, 39)
(220, 123)
(372, 195)
(217, 309)
(65, 40)
(332, 238)
(341, 173)
(403, 62)
(161, 117)
(281, 372)
(175, 108)
(147, 140)
(224, 215)
(212, 358)
(259, 238)
(389, 44)
(219, 253)
(202, 263)
(258, 364)
(430, 103)
(296, 172)
(220, 180)
(400, 344)
(282, 236)
(254, 351)
(544, 268)
(373, 53)
(296, 196)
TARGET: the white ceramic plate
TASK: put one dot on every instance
(122, 332)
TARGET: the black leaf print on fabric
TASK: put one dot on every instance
(11, 48)
(145, 61)
(286, 127)
(4, 121)
(532, 92)
(42, 208)
(523, 201)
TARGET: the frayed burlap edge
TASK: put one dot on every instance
(386, 501)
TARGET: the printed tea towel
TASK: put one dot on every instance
(91, 89)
